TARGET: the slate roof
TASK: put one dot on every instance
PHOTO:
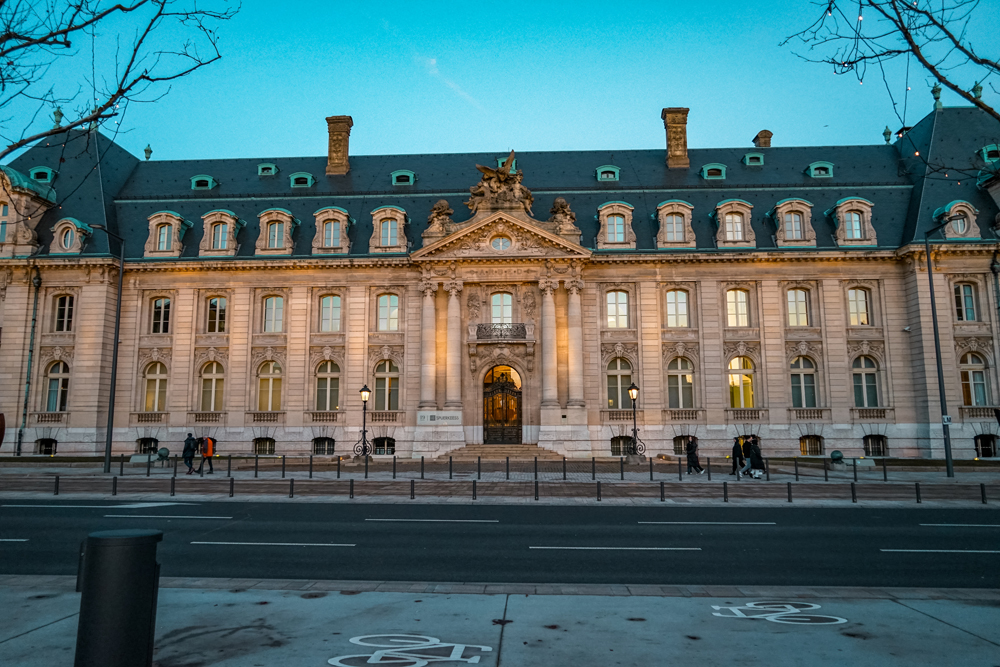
(126, 191)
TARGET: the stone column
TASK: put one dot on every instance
(428, 349)
(550, 363)
(575, 343)
(453, 394)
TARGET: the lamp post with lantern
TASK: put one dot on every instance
(362, 449)
(633, 393)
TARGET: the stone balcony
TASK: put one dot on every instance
(50, 417)
(386, 416)
(684, 415)
(148, 417)
(517, 331)
(324, 416)
(977, 413)
(746, 415)
(873, 414)
(207, 417)
(809, 415)
(266, 417)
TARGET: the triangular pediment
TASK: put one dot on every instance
(527, 241)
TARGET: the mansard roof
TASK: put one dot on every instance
(124, 191)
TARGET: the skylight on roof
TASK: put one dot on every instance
(267, 169)
(820, 169)
(301, 179)
(203, 182)
(714, 171)
(42, 174)
(753, 159)
(608, 172)
(403, 177)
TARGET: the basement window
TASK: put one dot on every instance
(714, 171)
(403, 177)
(608, 172)
(820, 170)
(302, 179)
(267, 169)
(203, 182)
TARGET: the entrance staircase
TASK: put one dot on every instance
(529, 452)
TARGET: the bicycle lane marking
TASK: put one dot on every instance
(408, 651)
(791, 613)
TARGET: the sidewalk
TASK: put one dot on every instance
(230, 623)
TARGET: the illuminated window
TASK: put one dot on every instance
(269, 387)
(803, 383)
(276, 235)
(213, 382)
(798, 308)
(673, 227)
(859, 307)
(734, 227)
(156, 388)
(793, 226)
(161, 316)
(388, 312)
(738, 308)
(386, 386)
(741, 372)
(329, 313)
(502, 305)
(58, 389)
(618, 310)
(677, 308)
(852, 225)
(216, 315)
(331, 234)
(274, 307)
(680, 383)
(328, 386)
(619, 380)
(616, 229)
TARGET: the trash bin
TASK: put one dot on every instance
(119, 579)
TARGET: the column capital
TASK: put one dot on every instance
(454, 287)
(574, 286)
(428, 287)
(548, 286)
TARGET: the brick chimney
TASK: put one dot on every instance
(675, 123)
(339, 127)
(763, 139)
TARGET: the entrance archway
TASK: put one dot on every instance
(502, 406)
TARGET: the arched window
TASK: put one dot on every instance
(859, 307)
(876, 445)
(852, 225)
(865, 383)
(164, 236)
(161, 316)
(798, 308)
(388, 312)
(680, 383)
(276, 235)
(323, 446)
(68, 237)
(737, 308)
(263, 446)
(741, 373)
(734, 226)
(156, 388)
(975, 388)
(803, 383)
(58, 389)
(965, 302)
(389, 232)
(269, 387)
(502, 305)
(274, 307)
(677, 308)
(386, 386)
(960, 224)
(327, 387)
(793, 226)
(216, 315)
(986, 445)
(63, 316)
(213, 382)
(329, 313)
(616, 229)
(619, 379)
(673, 227)
(811, 445)
(385, 446)
(618, 310)
(220, 236)
(331, 234)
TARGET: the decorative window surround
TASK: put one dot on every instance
(233, 227)
(959, 207)
(267, 169)
(730, 206)
(78, 233)
(607, 173)
(276, 215)
(714, 171)
(990, 153)
(820, 169)
(179, 227)
(403, 177)
(607, 209)
(203, 182)
(301, 179)
(42, 174)
(675, 207)
(804, 209)
(388, 213)
(331, 214)
(753, 159)
(864, 207)
(27, 200)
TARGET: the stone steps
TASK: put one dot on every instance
(502, 451)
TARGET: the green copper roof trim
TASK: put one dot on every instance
(395, 208)
(785, 201)
(82, 226)
(731, 201)
(673, 201)
(49, 174)
(19, 180)
(185, 224)
(986, 150)
(609, 203)
(394, 177)
(847, 199)
(282, 210)
(947, 208)
(331, 208)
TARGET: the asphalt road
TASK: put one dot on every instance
(551, 544)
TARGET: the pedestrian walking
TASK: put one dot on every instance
(692, 456)
(746, 440)
(190, 447)
(756, 460)
(207, 446)
(738, 460)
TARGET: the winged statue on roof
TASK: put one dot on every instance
(500, 189)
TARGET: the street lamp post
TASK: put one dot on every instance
(362, 448)
(114, 350)
(945, 419)
(633, 393)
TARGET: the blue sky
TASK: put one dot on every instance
(444, 77)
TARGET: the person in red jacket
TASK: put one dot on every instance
(207, 452)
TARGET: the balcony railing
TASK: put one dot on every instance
(385, 416)
(50, 417)
(683, 415)
(746, 414)
(207, 417)
(268, 417)
(617, 415)
(808, 414)
(976, 413)
(515, 331)
(871, 414)
(148, 417)
(324, 416)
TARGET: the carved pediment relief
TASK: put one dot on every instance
(501, 236)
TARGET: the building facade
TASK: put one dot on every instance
(781, 292)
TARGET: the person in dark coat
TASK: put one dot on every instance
(190, 447)
(738, 460)
(756, 458)
(745, 469)
(692, 456)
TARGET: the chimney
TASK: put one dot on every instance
(763, 139)
(675, 123)
(340, 136)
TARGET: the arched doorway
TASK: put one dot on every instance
(502, 406)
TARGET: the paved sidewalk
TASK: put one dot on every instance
(230, 623)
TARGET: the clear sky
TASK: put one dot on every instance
(421, 77)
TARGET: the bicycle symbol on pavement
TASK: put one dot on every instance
(407, 651)
(792, 613)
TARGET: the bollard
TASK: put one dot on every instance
(121, 466)
(119, 580)
(796, 468)
(173, 480)
(149, 460)
(536, 489)
(593, 467)
(725, 492)
(982, 490)
(479, 467)
(709, 468)
(918, 491)
(256, 464)
(536, 471)
(826, 472)
(56, 492)
(421, 467)
(449, 468)
(338, 467)
(352, 487)
(311, 466)
(412, 489)
(394, 466)
(229, 465)
(175, 465)
(232, 480)
(621, 465)
(366, 466)
(114, 486)
(854, 493)
(291, 488)
(680, 470)
(508, 467)
(564, 467)
(663, 496)
(789, 492)
(767, 468)
(650, 468)
(855, 469)
(473, 489)
(598, 492)
(201, 469)
(282, 466)
(885, 472)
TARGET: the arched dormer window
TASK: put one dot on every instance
(332, 223)
(963, 217)
(220, 228)
(853, 219)
(166, 234)
(388, 230)
(675, 224)
(820, 169)
(42, 174)
(793, 223)
(733, 217)
(714, 172)
(267, 169)
(753, 159)
(608, 172)
(69, 235)
(301, 179)
(276, 227)
(203, 182)
(403, 177)
(616, 225)
(990, 153)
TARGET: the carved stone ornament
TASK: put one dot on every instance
(528, 304)
(563, 217)
(500, 190)
(472, 305)
(742, 349)
(611, 351)
(260, 355)
(983, 346)
(866, 348)
(57, 353)
(813, 350)
(327, 353)
(502, 354)
(204, 356)
(148, 356)
(392, 352)
(673, 350)
(440, 218)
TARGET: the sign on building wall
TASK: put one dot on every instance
(436, 417)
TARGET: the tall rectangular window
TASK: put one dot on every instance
(618, 310)
(389, 233)
(273, 314)
(331, 234)
(276, 235)
(798, 308)
(220, 235)
(216, 315)
(388, 312)
(164, 237)
(852, 225)
(3, 223)
(673, 227)
(677, 308)
(502, 305)
(859, 307)
(793, 226)
(616, 229)
(734, 227)
(161, 316)
(738, 308)
(329, 313)
(965, 303)
(64, 313)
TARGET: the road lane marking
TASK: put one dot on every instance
(106, 507)
(621, 548)
(441, 520)
(11, 539)
(276, 544)
(709, 523)
(941, 551)
(161, 516)
(963, 525)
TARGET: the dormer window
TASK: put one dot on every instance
(675, 224)
(403, 177)
(963, 217)
(219, 234)
(820, 170)
(203, 182)
(302, 179)
(990, 153)
(616, 225)
(388, 230)
(753, 159)
(733, 217)
(42, 174)
(853, 217)
(331, 231)
(267, 169)
(793, 223)
(276, 227)
(714, 171)
(608, 172)
(166, 233)
(69, 235)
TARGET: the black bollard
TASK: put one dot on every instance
(508, 467)
(311, 466)
(709, 467)
(119, 581)
(536, 471)
(412, 489)
(56, 491)
(564, 467)
(114, 486)
(536, 489)
(338, 467)
(650, 468)
(680, 470)
(854, 493)
(173, 480)
(663, 496)
(366, 467)
(450, 476)
(352, 487)
(767, 468)
(789, 492)
(231, 484)
(855, 469)
(229, 465)
(201, 469)
(621, 466)
(917, 487)
(291, 488)
(121, 466)
(394, 466)
(175, 465)
(982, 490)
(826, 472)
(282, 466)
(796, 468)
(473, 489)
(421, 467)
(149, 461)
(725, 492)
(256, 464)
(593, 467)
(479, 467)
(885, 472)
(598, 492)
